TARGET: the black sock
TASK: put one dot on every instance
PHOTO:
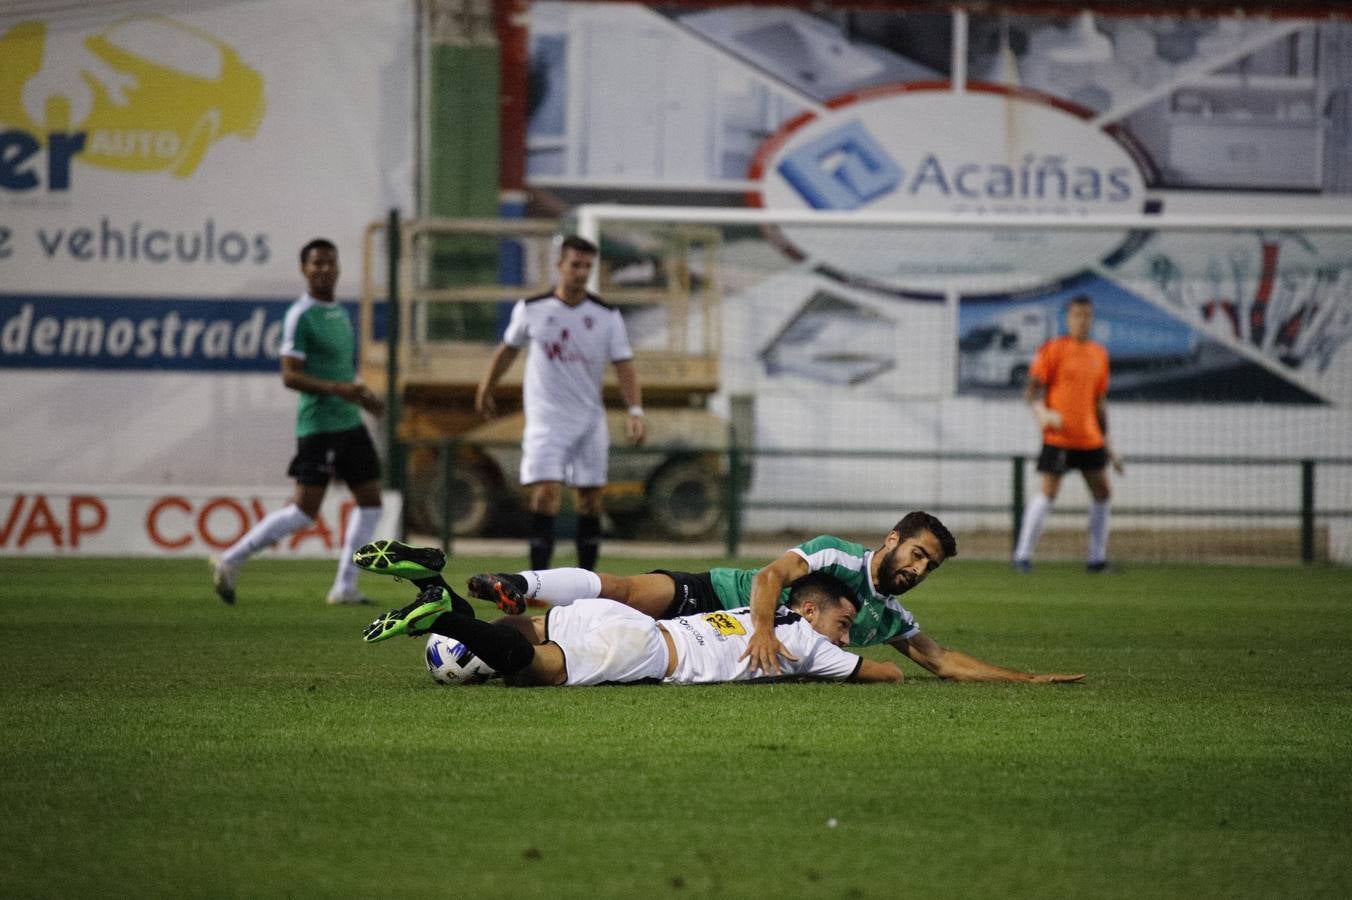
(588, 541)
(500, 646)
(541, 540)
(458, 604)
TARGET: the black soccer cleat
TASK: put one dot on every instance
(498, 589)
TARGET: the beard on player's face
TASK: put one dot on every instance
(892, 578)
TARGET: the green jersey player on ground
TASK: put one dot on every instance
(881, 618)
(914, 548)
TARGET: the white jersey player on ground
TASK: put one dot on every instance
(601, 641)
(571, 335)
(597, 641)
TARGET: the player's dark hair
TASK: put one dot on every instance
(578, 244)
(913, 523)
(822, 588)
(316, 244)
(1080, 300)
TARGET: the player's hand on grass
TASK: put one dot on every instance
(1056, 678)
(764, 651)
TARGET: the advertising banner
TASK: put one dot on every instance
(121, 520)
(161, 165)
(191, 152)
(164, 333)
(1048, 118)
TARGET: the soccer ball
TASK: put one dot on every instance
(451, 662)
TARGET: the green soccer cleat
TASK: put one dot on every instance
(412, 620)
(400, 560)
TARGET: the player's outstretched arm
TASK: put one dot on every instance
(872, 670)
(924, 651)
(763, 648)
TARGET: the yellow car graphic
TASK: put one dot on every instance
(151, 94)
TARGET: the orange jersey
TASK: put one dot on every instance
(1076, 376)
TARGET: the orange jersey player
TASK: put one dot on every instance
(1068, 389)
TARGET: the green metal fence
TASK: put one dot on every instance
(1305, 507)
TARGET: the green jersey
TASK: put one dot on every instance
(881, 618)
(320, 335)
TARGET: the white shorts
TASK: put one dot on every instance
(558, 455)
(604, 641)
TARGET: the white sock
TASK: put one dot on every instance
(274, 526)
(361, 527)
(561, 587)
(1034, 517)
(1098, 531)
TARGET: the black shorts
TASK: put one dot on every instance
(1057, 460)
(348, 455)
(694, 594)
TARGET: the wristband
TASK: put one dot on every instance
(636, 410)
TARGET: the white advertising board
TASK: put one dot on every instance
(104, 520)
(188, 151)
(161, 165)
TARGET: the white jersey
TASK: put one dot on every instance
(605, 642)
(708, 646)
(569, 349)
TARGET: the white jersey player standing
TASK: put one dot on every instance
(572, 335)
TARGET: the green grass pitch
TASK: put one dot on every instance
(154, 742)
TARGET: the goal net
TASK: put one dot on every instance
(876, 364)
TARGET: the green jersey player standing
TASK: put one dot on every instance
(319, 362)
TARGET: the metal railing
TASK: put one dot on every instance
(1301, 504)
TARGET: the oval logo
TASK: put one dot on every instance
(989, 150)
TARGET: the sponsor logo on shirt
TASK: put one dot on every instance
(724, 624)
(562, 350)
(699, 638)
